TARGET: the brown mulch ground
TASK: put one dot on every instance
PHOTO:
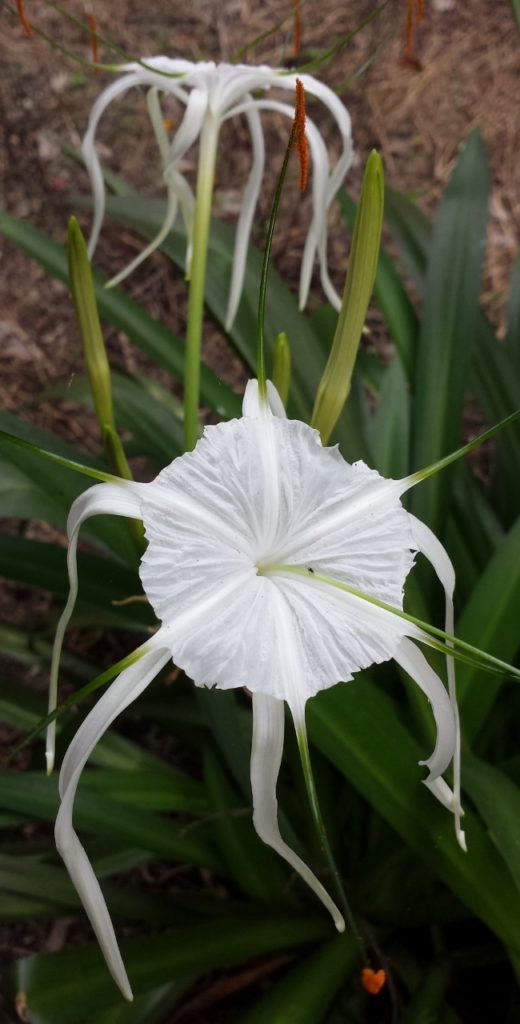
(469, 76)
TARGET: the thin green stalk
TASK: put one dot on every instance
(197, 278)
(303, 747)
(261, 371)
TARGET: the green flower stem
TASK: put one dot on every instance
(303, 747)
(261, 371)
(197, 278)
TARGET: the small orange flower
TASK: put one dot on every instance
(373, 981)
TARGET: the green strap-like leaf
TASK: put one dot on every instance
(72, 986)
(491, 615)
(306, 991)
(498, 801)
(449, 319)
(357, 727)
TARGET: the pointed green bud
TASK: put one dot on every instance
(84, 298)
(282, 366)
(96, 361)
(336, 381)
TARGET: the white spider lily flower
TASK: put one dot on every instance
(213, 93)
(251, 537)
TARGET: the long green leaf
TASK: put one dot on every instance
(74, 985)
(495, 376)
(102, 582)
(491, 615)
(357, 727)
(498, 801)
(305, 993)
(29, 490)
(36, 795)
(448, 324)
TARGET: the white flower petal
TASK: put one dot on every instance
(120, 694)
(251, 403)
(412, 660)
(247, 211)
(434, 551)
(168, 222)
(266, 756)
(190, 126)
(338, 634)
(90, 156)
(121, 499)
(219, 516)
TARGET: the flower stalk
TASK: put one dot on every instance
(197, 278)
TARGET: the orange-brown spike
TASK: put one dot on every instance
(409, 28)
(300, 136)
(420, 11)
(297, 29)
(94, 41)
(373, 981)
(23, 19)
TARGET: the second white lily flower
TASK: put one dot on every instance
(213, 93)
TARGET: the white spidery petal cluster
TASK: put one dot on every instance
(211, 94)
(243, 534)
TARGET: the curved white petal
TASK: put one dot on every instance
(164, 230)
(155, 114)
(135, 75)
(247, 211)
(122, 499)
(412, 660)
(119, 695)
(187, 204)
(190, 126)
(251, 404)
(436, 554)
(266, 756)
(89, 151)
(320, 172)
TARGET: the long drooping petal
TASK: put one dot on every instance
(436, 554)
(412, 660)
(266, 756)
(126, 688)
(135, 75)
(121, 499)
(247, 212)
(320, 174)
